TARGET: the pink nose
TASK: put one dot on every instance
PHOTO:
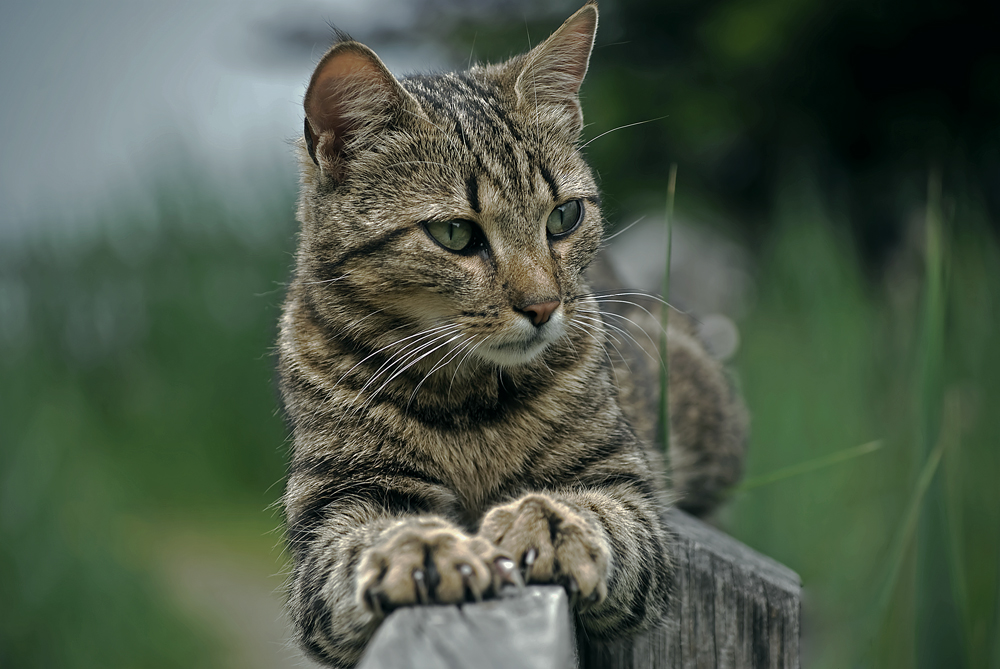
(539, 313)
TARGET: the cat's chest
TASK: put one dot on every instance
(482, 465)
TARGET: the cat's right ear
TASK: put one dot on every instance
(351, 97)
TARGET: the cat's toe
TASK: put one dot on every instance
(390, 577)
(552, 544)
(421, 565)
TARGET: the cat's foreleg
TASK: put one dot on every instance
(359, 563)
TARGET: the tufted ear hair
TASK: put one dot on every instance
(352, 96)
(554, 70)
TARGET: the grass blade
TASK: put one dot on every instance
(809, 466)
(909, 526)
(664, 317)
(939, 637)
(952, 431)
(928, 404)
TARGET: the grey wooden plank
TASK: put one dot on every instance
(532, 630)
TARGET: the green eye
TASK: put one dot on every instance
(453, 235)
(565, 218)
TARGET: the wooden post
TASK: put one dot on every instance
(732, 607)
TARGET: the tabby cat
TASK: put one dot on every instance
(445, 367)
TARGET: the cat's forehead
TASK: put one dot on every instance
(483, 104)
(477, 117)
(500, 153)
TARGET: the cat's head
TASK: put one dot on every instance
(454, 203)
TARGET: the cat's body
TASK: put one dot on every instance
(455, 413)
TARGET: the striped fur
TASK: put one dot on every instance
(438, 430)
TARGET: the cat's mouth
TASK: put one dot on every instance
(521, 350)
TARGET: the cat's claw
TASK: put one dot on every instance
(467, 573)
(509, 577)
(573, 590)
(420, 582)
(426, 563)
(578, 600)
(529, 560)
(374, 599)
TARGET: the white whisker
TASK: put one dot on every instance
(612, 236)
(631, 336)
(634, 304)
(400, 358)
(388, 346)
(445, 360)
(581, 328)
(473, 49)
(396, 365)
(464, 358)
(621, 127)
(334, 280)
(598, 323)
(413, 362)
(649, 296)
(534, 88)
(628, 335)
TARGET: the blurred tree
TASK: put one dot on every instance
(744, 92)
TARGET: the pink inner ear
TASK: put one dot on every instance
(340, 88)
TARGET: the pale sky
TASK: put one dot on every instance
(97, 95)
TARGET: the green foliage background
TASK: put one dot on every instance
(138, 403)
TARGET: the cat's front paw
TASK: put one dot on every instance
(553, 544)
(427, 563)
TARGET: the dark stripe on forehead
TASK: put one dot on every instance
(482, 101)
(430, 90)
(472, 187)
(480, 115)
(464, 135)
(481, 121)
(461, 133)
(502, 112)
(550, 180)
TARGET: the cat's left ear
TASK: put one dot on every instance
(554, 70)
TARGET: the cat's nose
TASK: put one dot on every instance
(539, 313)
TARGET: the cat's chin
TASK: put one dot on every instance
(520, 352)
(512, 355)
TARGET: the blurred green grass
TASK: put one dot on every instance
(830, 360)
(139, 385)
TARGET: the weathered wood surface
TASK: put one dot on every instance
(732, 607)
(532, 630)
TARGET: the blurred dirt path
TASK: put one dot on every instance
(237, 595)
